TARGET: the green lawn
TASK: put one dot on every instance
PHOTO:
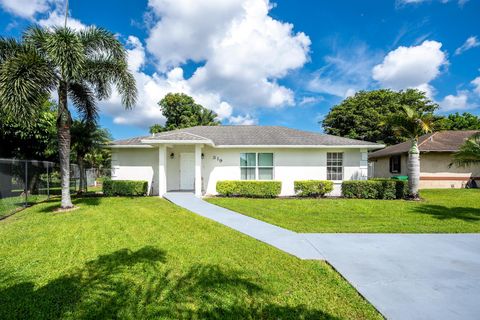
(442, 210)
(139, 258)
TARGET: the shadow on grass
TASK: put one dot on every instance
(444, 213)
(54, 204)
(134, 285)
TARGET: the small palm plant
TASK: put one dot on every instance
(469, 152)
(87, 137)
(412, 124)
(81, 66)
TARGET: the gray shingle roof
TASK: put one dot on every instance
(253, 135)
(441, 141)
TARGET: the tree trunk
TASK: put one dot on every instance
(64, 121)
(83, 178)
(413, 170)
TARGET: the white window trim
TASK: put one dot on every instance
(342, 166)
(257, 166)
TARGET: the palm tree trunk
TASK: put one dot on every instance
(413, 170)
(64, 121)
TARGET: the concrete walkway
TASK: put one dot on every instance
(405, 276)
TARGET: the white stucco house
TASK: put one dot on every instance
(194, 159)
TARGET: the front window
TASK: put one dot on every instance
(334, 166)
(395, 164)
(256, 166)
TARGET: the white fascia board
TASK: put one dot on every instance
(209, 142)
(303, 146)
(127, 146)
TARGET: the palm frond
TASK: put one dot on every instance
(83, 99)
(104, 72)
(8, 47)
(469, 153)
(100, 42)
(26, 80)
(65, 50)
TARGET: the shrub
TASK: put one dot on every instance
(125, 188)
(312, 188)
(252, 189)
(375, 189)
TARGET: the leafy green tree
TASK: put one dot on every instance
(87, 138)
(81, 66)
(181, 111)
(469, 153)
(411, 124)
(457, 121)
(364, 116)
(35, 141)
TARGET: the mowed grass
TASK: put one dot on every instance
(441, 211)
(145, 258)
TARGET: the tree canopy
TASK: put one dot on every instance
(33, 140)
(365, 115)
(457, 121)
(181, 111)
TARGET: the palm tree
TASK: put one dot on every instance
(469, 153)
(87, 138)
(412, 124)
(81, 66)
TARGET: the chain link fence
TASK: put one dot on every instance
(26, 182)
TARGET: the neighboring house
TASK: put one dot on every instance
(196, 158)
(436, 155)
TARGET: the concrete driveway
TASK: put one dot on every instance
(409, 276)
(405, 276)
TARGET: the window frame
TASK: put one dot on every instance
(329, 175)
(257, 166)
(391, 164)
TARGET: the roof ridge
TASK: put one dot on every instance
(427, 138)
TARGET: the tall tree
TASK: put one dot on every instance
(79, 65)
(411, 124)
(364, 116)
(181, 111)
(87, 138)
(469, 153)
(457, 121)
(35, 141)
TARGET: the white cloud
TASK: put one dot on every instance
(152, 88)
(470, 43)
(308, 100)
(411, 67)
(26, 8)
(57, 18)
(243, 120)
(476, 83)
(461, 3)
(241, 49)
(456, 102)
(345, 72)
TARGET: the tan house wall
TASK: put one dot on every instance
(434, 171)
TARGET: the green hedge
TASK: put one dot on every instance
(375, 189)
(312, 188)
(252, 189)
(125, 188)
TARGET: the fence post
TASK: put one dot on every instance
(48, 181)
(25, 184)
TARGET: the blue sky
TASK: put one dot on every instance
(276, 63)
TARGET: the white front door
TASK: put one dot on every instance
(187, 171)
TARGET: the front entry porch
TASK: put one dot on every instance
(180, 168)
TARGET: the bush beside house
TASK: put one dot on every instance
(252, 189)
(313, 188)
(125, 188)
(386, 189)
